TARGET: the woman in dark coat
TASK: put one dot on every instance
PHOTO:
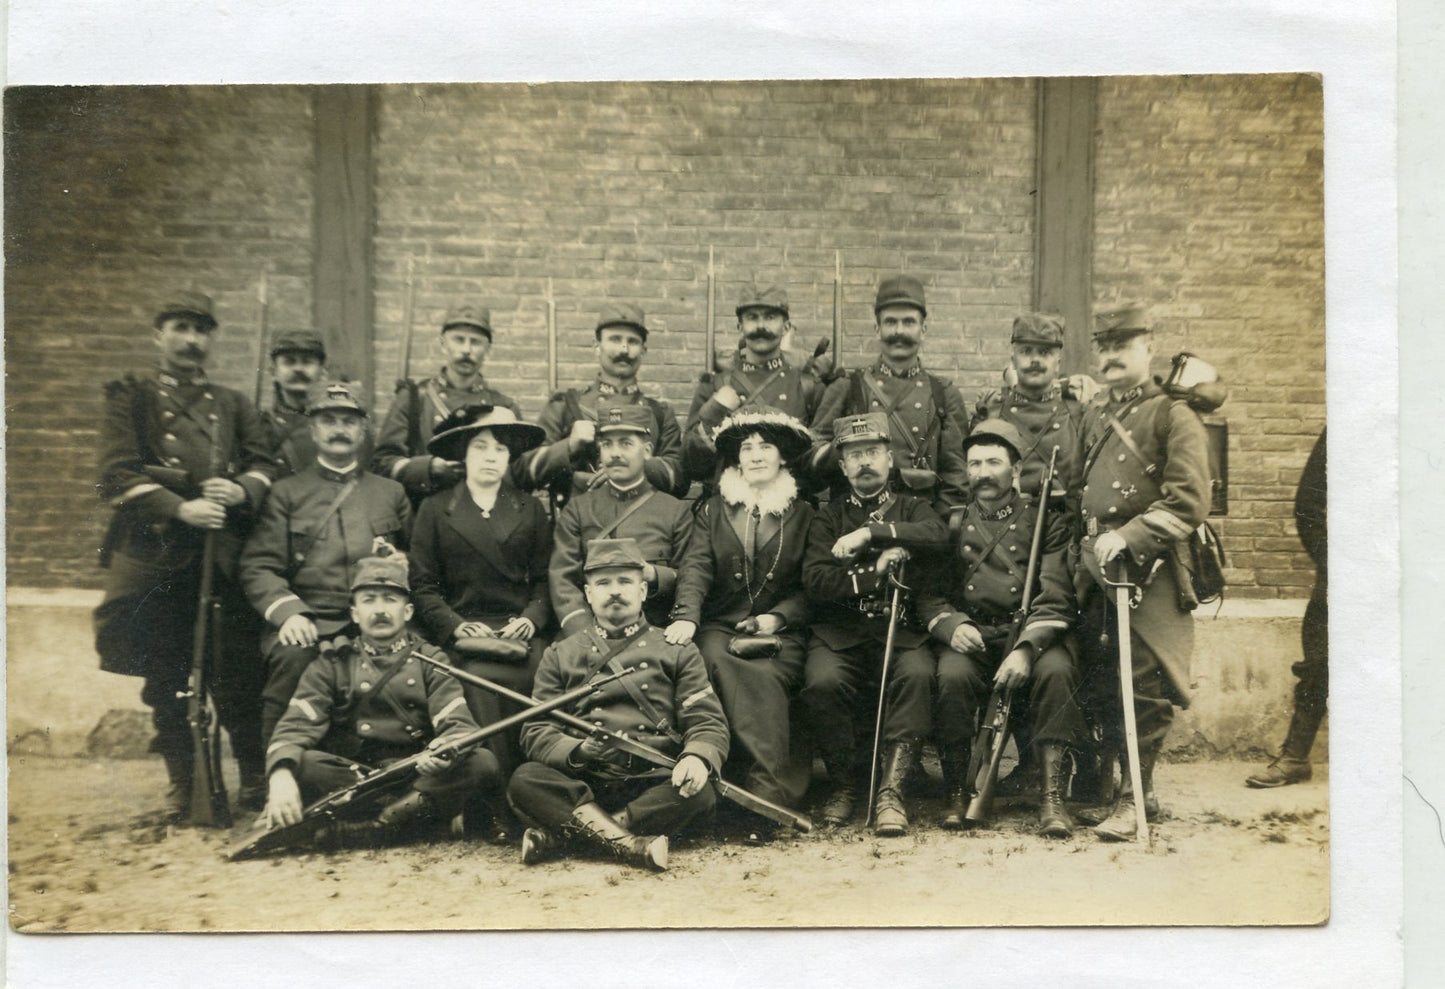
(479, 555)
(741, 578)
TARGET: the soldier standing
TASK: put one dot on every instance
(401, 443)
(924, 412)
(1146, 488)
(181, 456)
(972, 620)
(298, 362)
(367, 702)
(625, 505)
(852, 544)
(567, 464)
(317, 526)
(760, 379)
(579, 784)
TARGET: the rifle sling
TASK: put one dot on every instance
(606, 532)
(351, 485)
(917, 449)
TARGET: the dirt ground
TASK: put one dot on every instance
(83, 858)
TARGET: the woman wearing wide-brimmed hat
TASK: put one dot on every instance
(739, 596)
(479, 560)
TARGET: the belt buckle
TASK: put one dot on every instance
(1091, 526)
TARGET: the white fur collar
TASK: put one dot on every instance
(774, 499)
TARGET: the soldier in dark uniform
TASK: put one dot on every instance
(972, 622)
(418, 407)
(852, 544)
(568, 463)
(479, 559)
(625, 505)
(925, 413)
(298, 362)
(368, 702)
(1146, 488)
(761, 378)
(576, 785)
(741, 576)
(317, 525)
(180, 457)
(1313, 671)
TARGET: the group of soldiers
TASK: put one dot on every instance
(384, 592)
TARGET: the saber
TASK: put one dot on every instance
(1123, 591)
(894, 606)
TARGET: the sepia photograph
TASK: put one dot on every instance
(674, 504)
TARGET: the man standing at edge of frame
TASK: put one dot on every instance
(1146, 488)
(181, 456)
(417, 408)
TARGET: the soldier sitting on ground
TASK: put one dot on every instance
(367, 703)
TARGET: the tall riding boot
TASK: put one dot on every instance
(1121, 825)
(179, 767)
(843, 799)
(594, 823)
(1293, 764)
(412, 810)
(1054, 819)
(890, 814)
(954, 761)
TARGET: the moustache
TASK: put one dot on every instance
(296, 377)
(615, 599)
(866, 472)
(339, 438)
(615, 463)
(985, 484)
(1033, 369)
(381, 620)
(899, 339)
(1117, 364)
(623, 359)
(193, 352)
(761, 335)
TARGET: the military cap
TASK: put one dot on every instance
(1126, 320)
(627, 419)
(1041, 329)
(477, 317)
(767, 296)
(900, 290)
(298, 342)
(605, 554)
(185, 303)
(999, 431)
(775, 426)
(621, 314)
(382, 571)
(869, 427)
(455, 431)
(332, 396)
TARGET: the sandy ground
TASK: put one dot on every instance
(84, 858)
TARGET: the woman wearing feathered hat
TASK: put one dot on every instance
(740, 595)
(479, 560)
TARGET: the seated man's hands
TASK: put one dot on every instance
(283, 798)
(690, 775)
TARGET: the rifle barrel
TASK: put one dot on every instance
(837, 307)
(551, 341)
(408, 313)
(709, 357)
(264, 323)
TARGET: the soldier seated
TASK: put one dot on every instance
(367, 703)
(577, 786)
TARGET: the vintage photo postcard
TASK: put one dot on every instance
(717, 504)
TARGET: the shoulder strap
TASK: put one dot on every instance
(891, 406)
(609, 530)
(756, 394)
(983, 557)
(660, 722)
(331, 510)
(1093, 453)
(1150, 467)
(433, 393)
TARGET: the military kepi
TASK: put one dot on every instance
(870, 427)
(186, 303)
(900, 290)
(1123, 321)
(621, 314)
(627, 419)
(389, 571)
(762, 296)
(303, 342)
(999, 431)
(1038, 328)
(477, 317)
(334, 396)
(605, 554)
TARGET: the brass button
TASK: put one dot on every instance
(1115, 484)
(782, 397)
(366, 685)
(970, 587)
(364, 726)
(915, 429)
(970, 527)
(1013, 408)
(411, 681)
(643, 686)
(642, 665)
(918, 405)
(1013, 590)
(1121, 458)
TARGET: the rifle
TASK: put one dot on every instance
(408, 306)
(894, 609)
(709, 341)
(992, 734)
(551, 341)
(209, 805)
(624, 743)
(837, 339)
(262, 365)
(323, 812)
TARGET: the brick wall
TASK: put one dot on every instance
(111, 196)
(1209, 207)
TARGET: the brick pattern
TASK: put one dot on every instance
(1209, 207)
(113, 195)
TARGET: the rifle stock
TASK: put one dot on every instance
(209, 806)
(624, 743)
(992, 735)
(323, 811)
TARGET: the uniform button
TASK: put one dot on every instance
(214, 418)
(1121, 458)
(782, 397)
(915, 429)
(642, 642)
(970, 587)
(1113, 509)
(918, 405)
(1013, 408)
(300, 557)
(1013, 525)
(970, 527)
(364, 726)
(918, 384)
(1115, 484)
(366, 685)
(875, 403)
(164, 394)
(209, 396)
(1057, 425)
(173, 461)
(170, 437)
(411, 681)
(1086, 487)
(168, 415)
(1013, 549)
(642, 686)
(642, 665)
(642, 728)
(1013, 590)
(737, 576)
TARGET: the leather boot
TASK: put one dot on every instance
(252, 793)
(843, 799)
(1054, 819)
(594, 824)
(178, 792)
(538, 845)
(1293, 764)
(954, 761)
(1121, 825)
(890, 813)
